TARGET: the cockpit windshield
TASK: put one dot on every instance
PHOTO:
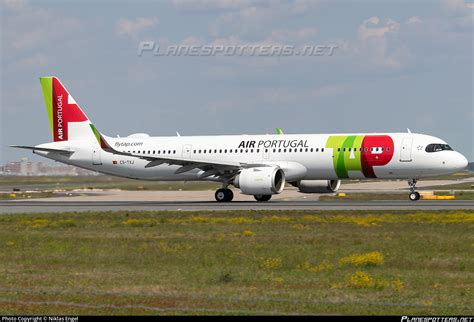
(438, 147)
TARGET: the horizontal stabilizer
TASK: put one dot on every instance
(34, 148)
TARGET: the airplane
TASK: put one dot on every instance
(258, 165)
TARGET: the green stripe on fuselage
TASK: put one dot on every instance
(345, 161)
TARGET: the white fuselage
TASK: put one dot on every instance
(301, 156)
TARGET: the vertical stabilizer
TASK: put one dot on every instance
(66, 118)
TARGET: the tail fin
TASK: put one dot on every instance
(66, 119)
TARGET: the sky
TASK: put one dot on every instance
(395, 65)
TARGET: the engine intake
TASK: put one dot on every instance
(260, 181)
(317, 186)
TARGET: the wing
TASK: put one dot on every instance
(210, 168)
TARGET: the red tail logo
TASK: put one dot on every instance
(65, 110)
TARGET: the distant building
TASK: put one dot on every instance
(25, 167)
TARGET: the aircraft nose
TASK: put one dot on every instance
(461, 161)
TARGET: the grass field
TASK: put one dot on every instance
(99, 182)
(238, 263)
(457, 186)
(9, 196)
(365, 196)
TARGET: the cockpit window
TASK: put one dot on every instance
(438, 147)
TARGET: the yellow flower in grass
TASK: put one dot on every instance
(272, 263)
(368, 259)
(397, 285)
(247, 233)
(361, 279)
(321, 267)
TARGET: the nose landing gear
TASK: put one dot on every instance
(414, 195)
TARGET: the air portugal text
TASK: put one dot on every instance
(274, 144)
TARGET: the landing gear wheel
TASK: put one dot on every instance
(414, 196)
(262, 197)
(224, 195)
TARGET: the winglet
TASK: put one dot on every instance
(102, 142)
(278, 131)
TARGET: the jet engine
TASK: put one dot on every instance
(260, 181)
(317, 186)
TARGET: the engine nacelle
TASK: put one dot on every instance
(260, 181)
(317, 186)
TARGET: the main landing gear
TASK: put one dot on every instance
(224, 195)
(260, 198)
(414, 195)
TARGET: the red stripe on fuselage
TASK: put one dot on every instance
(369, 159)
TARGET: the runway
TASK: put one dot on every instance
(35, 206)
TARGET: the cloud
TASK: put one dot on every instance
(373, 28)
(38, 28)
(13, 4)
(282, 95)
(414, 20)
(210, 4)
(378, 43)
(128, 27)
(460, 14)
(254, 20)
